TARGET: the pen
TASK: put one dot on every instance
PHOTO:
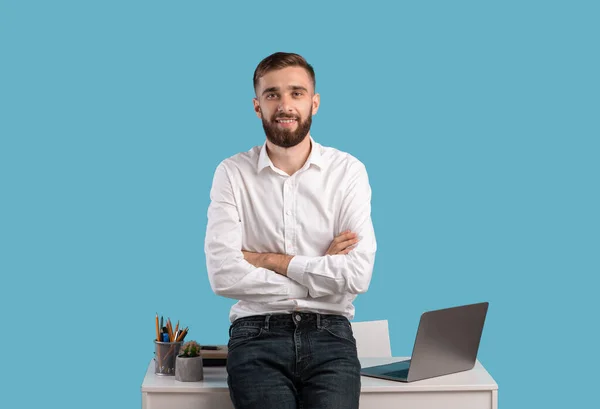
(184, 333)
(157, 330)
(170, 328)
(165, 331)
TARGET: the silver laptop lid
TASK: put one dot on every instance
(447, 341)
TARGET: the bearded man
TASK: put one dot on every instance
(290, 236)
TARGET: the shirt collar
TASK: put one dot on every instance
(315, 157)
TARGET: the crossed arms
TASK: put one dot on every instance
(267, 277)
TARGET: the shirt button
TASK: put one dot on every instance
(298, 317)
(288, 212)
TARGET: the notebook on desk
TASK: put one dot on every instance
(447, 342)
(214, 355)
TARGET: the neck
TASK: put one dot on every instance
(289, 160)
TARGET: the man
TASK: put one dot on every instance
(290, 236)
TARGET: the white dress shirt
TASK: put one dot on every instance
(259, 208)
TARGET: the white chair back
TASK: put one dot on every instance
(372, 339)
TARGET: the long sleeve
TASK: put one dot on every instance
(350, 273)
(230, 275)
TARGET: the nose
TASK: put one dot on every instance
(284, 104)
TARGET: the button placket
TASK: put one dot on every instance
(288, 201)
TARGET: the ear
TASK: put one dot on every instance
(257, 109)
(316, 102)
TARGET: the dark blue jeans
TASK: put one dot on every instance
(299, 361)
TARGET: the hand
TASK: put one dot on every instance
(253, 258)
(343, 244)
(275, 262)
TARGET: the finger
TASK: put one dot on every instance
(342, 250)
(348, 249)
(335, 247)
(343, 245)
(344, 237)
(333, 252)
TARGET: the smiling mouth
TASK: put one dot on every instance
(286, 122)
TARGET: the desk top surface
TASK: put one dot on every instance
(215, 380)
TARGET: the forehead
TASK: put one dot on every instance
(285, 77)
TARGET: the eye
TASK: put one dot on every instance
(297, 94)
(271, 95)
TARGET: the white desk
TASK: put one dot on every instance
(474, 389)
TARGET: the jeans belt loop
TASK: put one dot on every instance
(318, 321)
(267, 322)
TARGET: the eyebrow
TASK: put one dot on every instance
(291, 87)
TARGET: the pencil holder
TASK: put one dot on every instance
(164, 357)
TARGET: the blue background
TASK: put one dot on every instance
(477, 122)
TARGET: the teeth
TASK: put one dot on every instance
(286, 121)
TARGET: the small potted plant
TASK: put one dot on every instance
(188, 364)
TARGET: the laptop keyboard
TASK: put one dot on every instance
(403, 373)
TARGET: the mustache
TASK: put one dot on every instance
(285, 117)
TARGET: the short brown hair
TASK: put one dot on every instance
(281, 60)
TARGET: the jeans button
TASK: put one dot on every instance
(298, 317)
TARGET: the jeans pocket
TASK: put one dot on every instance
(240, 334)
(341, 330)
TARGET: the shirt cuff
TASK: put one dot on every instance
(297, 268)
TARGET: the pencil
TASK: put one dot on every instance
(157, 331)
(177, 327)
(183, 334)
(170, 328)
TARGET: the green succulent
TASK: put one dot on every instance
(190, 349)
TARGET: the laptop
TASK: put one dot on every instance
(447, 342)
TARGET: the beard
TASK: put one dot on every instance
(286, 138)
